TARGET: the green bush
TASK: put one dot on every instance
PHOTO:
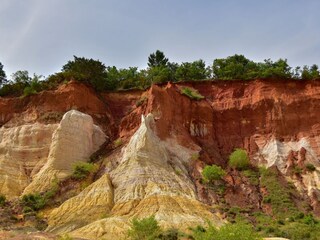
(2, 200)
(297, 170)
(239, 159)
(310, 167)
(82, 169)
(300, 231)
(118, 142)
(27, 91)
(191, 93)
(309, 220)
(212, 173)
(279, 194)
(33, 202)
(252, 176)
(144, 229)
(237, 231)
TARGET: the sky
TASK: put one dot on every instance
(42, 35)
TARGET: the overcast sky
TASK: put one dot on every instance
(42, 35)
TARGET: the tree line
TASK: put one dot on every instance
(159, 70)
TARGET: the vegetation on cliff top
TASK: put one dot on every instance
(159, 70)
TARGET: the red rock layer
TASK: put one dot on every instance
(233, 114)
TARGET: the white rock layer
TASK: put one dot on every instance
(23, 152)
(275, 153)
(75, 139)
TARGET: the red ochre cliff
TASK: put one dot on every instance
(165, 140)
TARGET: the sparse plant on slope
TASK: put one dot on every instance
(144, 229)
(82, 169)
(2, 200)
(191, 93)
(117, 142)
(212, 173)
(239, 159)
(33, 202)
(195, 156)
(279, 196)
(237, 231)
(253, 176)
(310, 167)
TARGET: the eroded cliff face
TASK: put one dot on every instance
(75, 140)
(167, 138)
(32, 156)
(277, 122)
(23, 152)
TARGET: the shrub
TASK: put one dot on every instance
(191, 93)
(297, 231)
(144, 229)
(297, 170)
(53, 190)
(33, 202)
(212, 173)
(2, 200)
(82, 169)
(195, 156)
(309, 220)
(310, 167)
(201, 233)
(27, 91)
(252, 176)
(117, 142)
(235, 231)
(279, 194)
(239, 159)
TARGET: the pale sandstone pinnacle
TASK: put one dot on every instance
(146, 182)
(75, 139)
(23, 152)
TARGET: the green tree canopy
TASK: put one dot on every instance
(310, 72)
(87, 70)
(212, 173)
(234, 67)
(144, 229)
(157, 59)
(196, 70)
(3, 77)
(278, 69)
(239, 159)
(21, 77)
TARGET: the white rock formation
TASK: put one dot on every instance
(149, 180)
(74, 140)
(276, 153)
(23, 152)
